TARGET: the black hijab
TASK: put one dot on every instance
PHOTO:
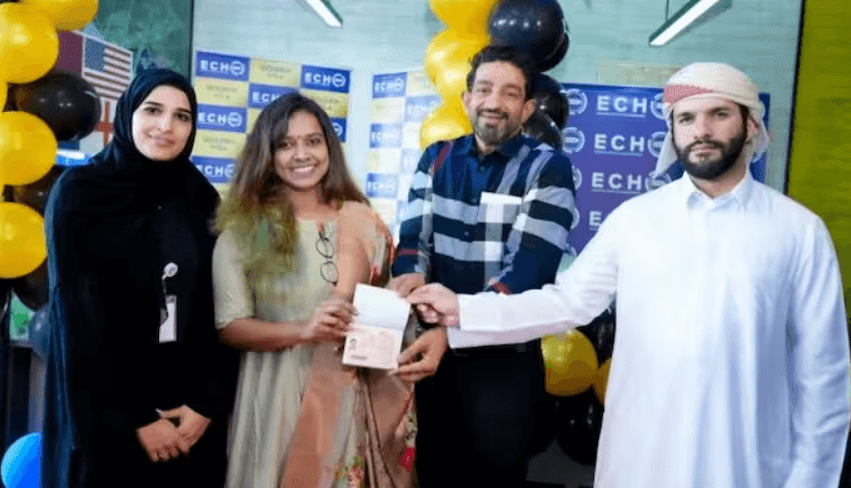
(119, 175)
(121, 188)
(112, 226)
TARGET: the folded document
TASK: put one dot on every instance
(375, 338)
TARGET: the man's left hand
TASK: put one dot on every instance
(430, 347)
(192, 424)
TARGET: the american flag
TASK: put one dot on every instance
(109, 68)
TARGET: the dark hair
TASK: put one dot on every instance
(498, 52)
(263, 221)
(255, 179)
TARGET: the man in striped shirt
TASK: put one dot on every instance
(488, 211)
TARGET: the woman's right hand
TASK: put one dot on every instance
(330, 321)
(161, 441)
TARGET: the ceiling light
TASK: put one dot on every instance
(682, 19)
(326, 11)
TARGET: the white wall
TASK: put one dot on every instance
(758, 36)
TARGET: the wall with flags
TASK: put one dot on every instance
(109, 68)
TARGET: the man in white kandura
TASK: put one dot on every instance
(730, 365)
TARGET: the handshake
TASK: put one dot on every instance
(434, 303)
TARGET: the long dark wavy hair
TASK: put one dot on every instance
(256, 208)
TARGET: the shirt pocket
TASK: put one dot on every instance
(498, 208)
(497, 213)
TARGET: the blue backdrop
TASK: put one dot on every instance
(613, 137)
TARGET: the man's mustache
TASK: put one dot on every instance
(492, 112)
(707, 142)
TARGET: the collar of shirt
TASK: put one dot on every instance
(507, 149)
(694, 197)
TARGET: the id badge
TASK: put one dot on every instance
(168, 327)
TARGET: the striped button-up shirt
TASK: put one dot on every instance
(496, 222)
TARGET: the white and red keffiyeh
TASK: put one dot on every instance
(705, 80)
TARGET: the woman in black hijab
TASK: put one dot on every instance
(138, 388)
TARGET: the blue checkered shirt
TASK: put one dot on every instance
(496, 222)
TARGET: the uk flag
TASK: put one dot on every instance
(108, 67)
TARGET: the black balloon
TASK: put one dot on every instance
(542, 128)
(601, 333)
(533, 26)
(5, 297)
(555, 58)
(38, 332)
(550, 99)
(578, 423)
(66, 102)
(31, 289)
(35, 194)
(10, 102)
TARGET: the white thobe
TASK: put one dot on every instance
(730, 362)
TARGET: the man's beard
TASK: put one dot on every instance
(493, 135)
(730, 153)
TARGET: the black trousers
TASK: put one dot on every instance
(478, 417)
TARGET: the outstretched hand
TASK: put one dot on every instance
(406, 283)
(436, 304)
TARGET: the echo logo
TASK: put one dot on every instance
(574, 140)
(577, 101)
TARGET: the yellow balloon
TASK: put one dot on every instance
(452, 80)
(463, 15)
(22, 243)
(29, 45)
(66, 15)
(27, 148)
(570, 363)
(4, 90)
(448, 121)
(602, 380)
(451, 49)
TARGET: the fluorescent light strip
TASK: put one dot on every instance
(681, 20)
(328, 14)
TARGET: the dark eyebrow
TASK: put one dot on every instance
(306, 136)
(157, 104)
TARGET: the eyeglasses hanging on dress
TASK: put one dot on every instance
(325, 248)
